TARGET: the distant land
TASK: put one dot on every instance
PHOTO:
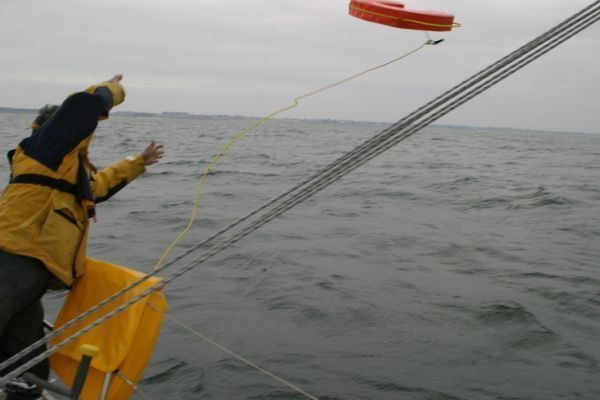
(168, 114)
(17, 110)
(186, 115)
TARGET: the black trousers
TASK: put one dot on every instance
(23, 282)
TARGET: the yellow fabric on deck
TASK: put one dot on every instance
(126, 340)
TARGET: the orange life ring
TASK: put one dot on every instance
(394, 14)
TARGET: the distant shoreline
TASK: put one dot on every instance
(186, 115)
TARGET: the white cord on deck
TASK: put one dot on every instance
(240, 358)
(133, 385)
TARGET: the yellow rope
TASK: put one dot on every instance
(198, 194)
(414, 21)
(453, 25)
(256, 124)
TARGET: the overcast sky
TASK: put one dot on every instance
(251, 57)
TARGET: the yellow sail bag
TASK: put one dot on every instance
(125, 340)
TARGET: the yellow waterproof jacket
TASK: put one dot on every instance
(44, 210)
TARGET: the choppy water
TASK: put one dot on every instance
(463, 264)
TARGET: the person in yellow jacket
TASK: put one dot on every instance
(45, 213)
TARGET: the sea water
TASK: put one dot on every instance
(462, 264)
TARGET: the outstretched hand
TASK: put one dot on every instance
(153, 153)
(116, 78)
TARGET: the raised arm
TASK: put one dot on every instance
(75, 120)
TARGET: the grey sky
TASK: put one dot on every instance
(252, 57)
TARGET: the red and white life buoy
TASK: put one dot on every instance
(394, 14)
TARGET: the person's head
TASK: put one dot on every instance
(44, 115)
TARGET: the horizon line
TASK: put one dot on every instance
(185, 114)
